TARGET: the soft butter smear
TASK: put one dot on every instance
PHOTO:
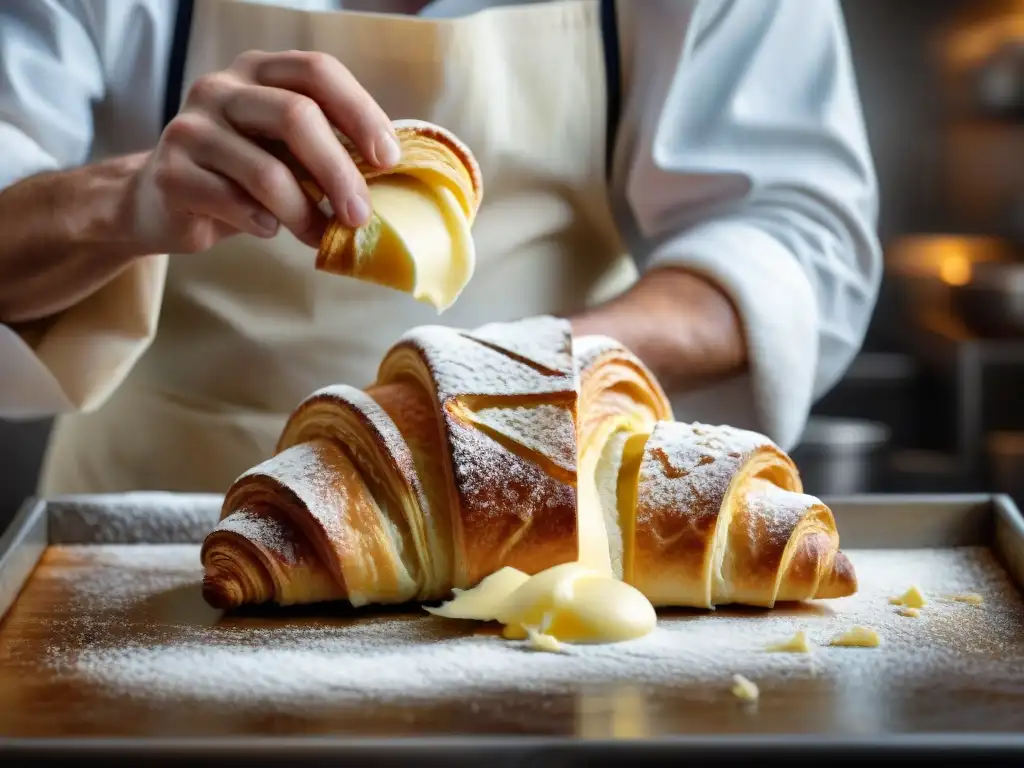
(568, 603)
(425, 245)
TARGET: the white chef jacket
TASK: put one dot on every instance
(751, 102)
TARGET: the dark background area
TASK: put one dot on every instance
(931, 404)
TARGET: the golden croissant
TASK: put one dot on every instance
(418, 239)
(514, 445)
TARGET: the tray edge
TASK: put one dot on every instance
(21, 547)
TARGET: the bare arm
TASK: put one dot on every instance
(683, 326)
(63, 235)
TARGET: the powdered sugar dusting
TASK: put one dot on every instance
(155, 517)
(545, 340)
(690, 466)
(294, 665)
(264, 530)
(316, 417)
(773, 512)
(462, 366)
(303, 470)
(502, 497)
(547, 430)
(587, 349)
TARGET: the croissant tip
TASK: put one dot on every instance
(841, 580)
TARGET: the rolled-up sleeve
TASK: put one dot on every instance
(754, 169)
(51, 77)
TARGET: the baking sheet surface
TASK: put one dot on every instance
(114, 639)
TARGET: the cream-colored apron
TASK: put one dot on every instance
(248, 328)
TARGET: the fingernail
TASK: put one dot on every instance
(265, 220)
(358, 211)
(387, 150)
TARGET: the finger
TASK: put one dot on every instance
(204, 193)
(298, 121)
(263, 177)
(343, 100)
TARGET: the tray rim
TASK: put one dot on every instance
(29, 528)
(519, 748)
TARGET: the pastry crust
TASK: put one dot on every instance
(512, 446)
(507, 412)
(721, 518)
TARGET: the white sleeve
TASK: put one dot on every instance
(51, 76)
(749, 163)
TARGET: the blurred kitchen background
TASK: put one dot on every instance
(932, 404)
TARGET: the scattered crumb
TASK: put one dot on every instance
(744, 689)
(912, 598)
(857, 637)
(540, 641)
(972, 598)
(909, 611)
(796, 644)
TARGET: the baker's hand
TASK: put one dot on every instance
(211, 175)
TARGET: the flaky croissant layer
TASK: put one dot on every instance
(514, 445)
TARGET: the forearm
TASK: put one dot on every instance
(681, 325)
(63, 235)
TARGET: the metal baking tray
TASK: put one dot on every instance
(966, 702)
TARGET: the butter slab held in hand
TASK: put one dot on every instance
(418, 238)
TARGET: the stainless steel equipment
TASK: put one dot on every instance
(838, 456)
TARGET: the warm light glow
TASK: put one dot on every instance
(979, 40)
(955, 268)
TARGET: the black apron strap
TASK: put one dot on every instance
(613, 78)
(176, 62)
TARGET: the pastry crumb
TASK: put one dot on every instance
(857, 637)
(909, 611)
(971, 598)
(745, 689)
(796, 644)
(540, 641)
(912, 598)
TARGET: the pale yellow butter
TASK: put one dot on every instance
(745, 689)
(858, 637)
(912, 598)
(796, 644)
(569, 603)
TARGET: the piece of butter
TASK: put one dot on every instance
(482, 602)
(857, 637)
(424, 244)
(569, 602)
(910, 611)
(912, 598)
(972, 598)
(796, 644)
(578, 605)
(542, 641)
(743, 688)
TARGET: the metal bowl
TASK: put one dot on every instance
(839, 456)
